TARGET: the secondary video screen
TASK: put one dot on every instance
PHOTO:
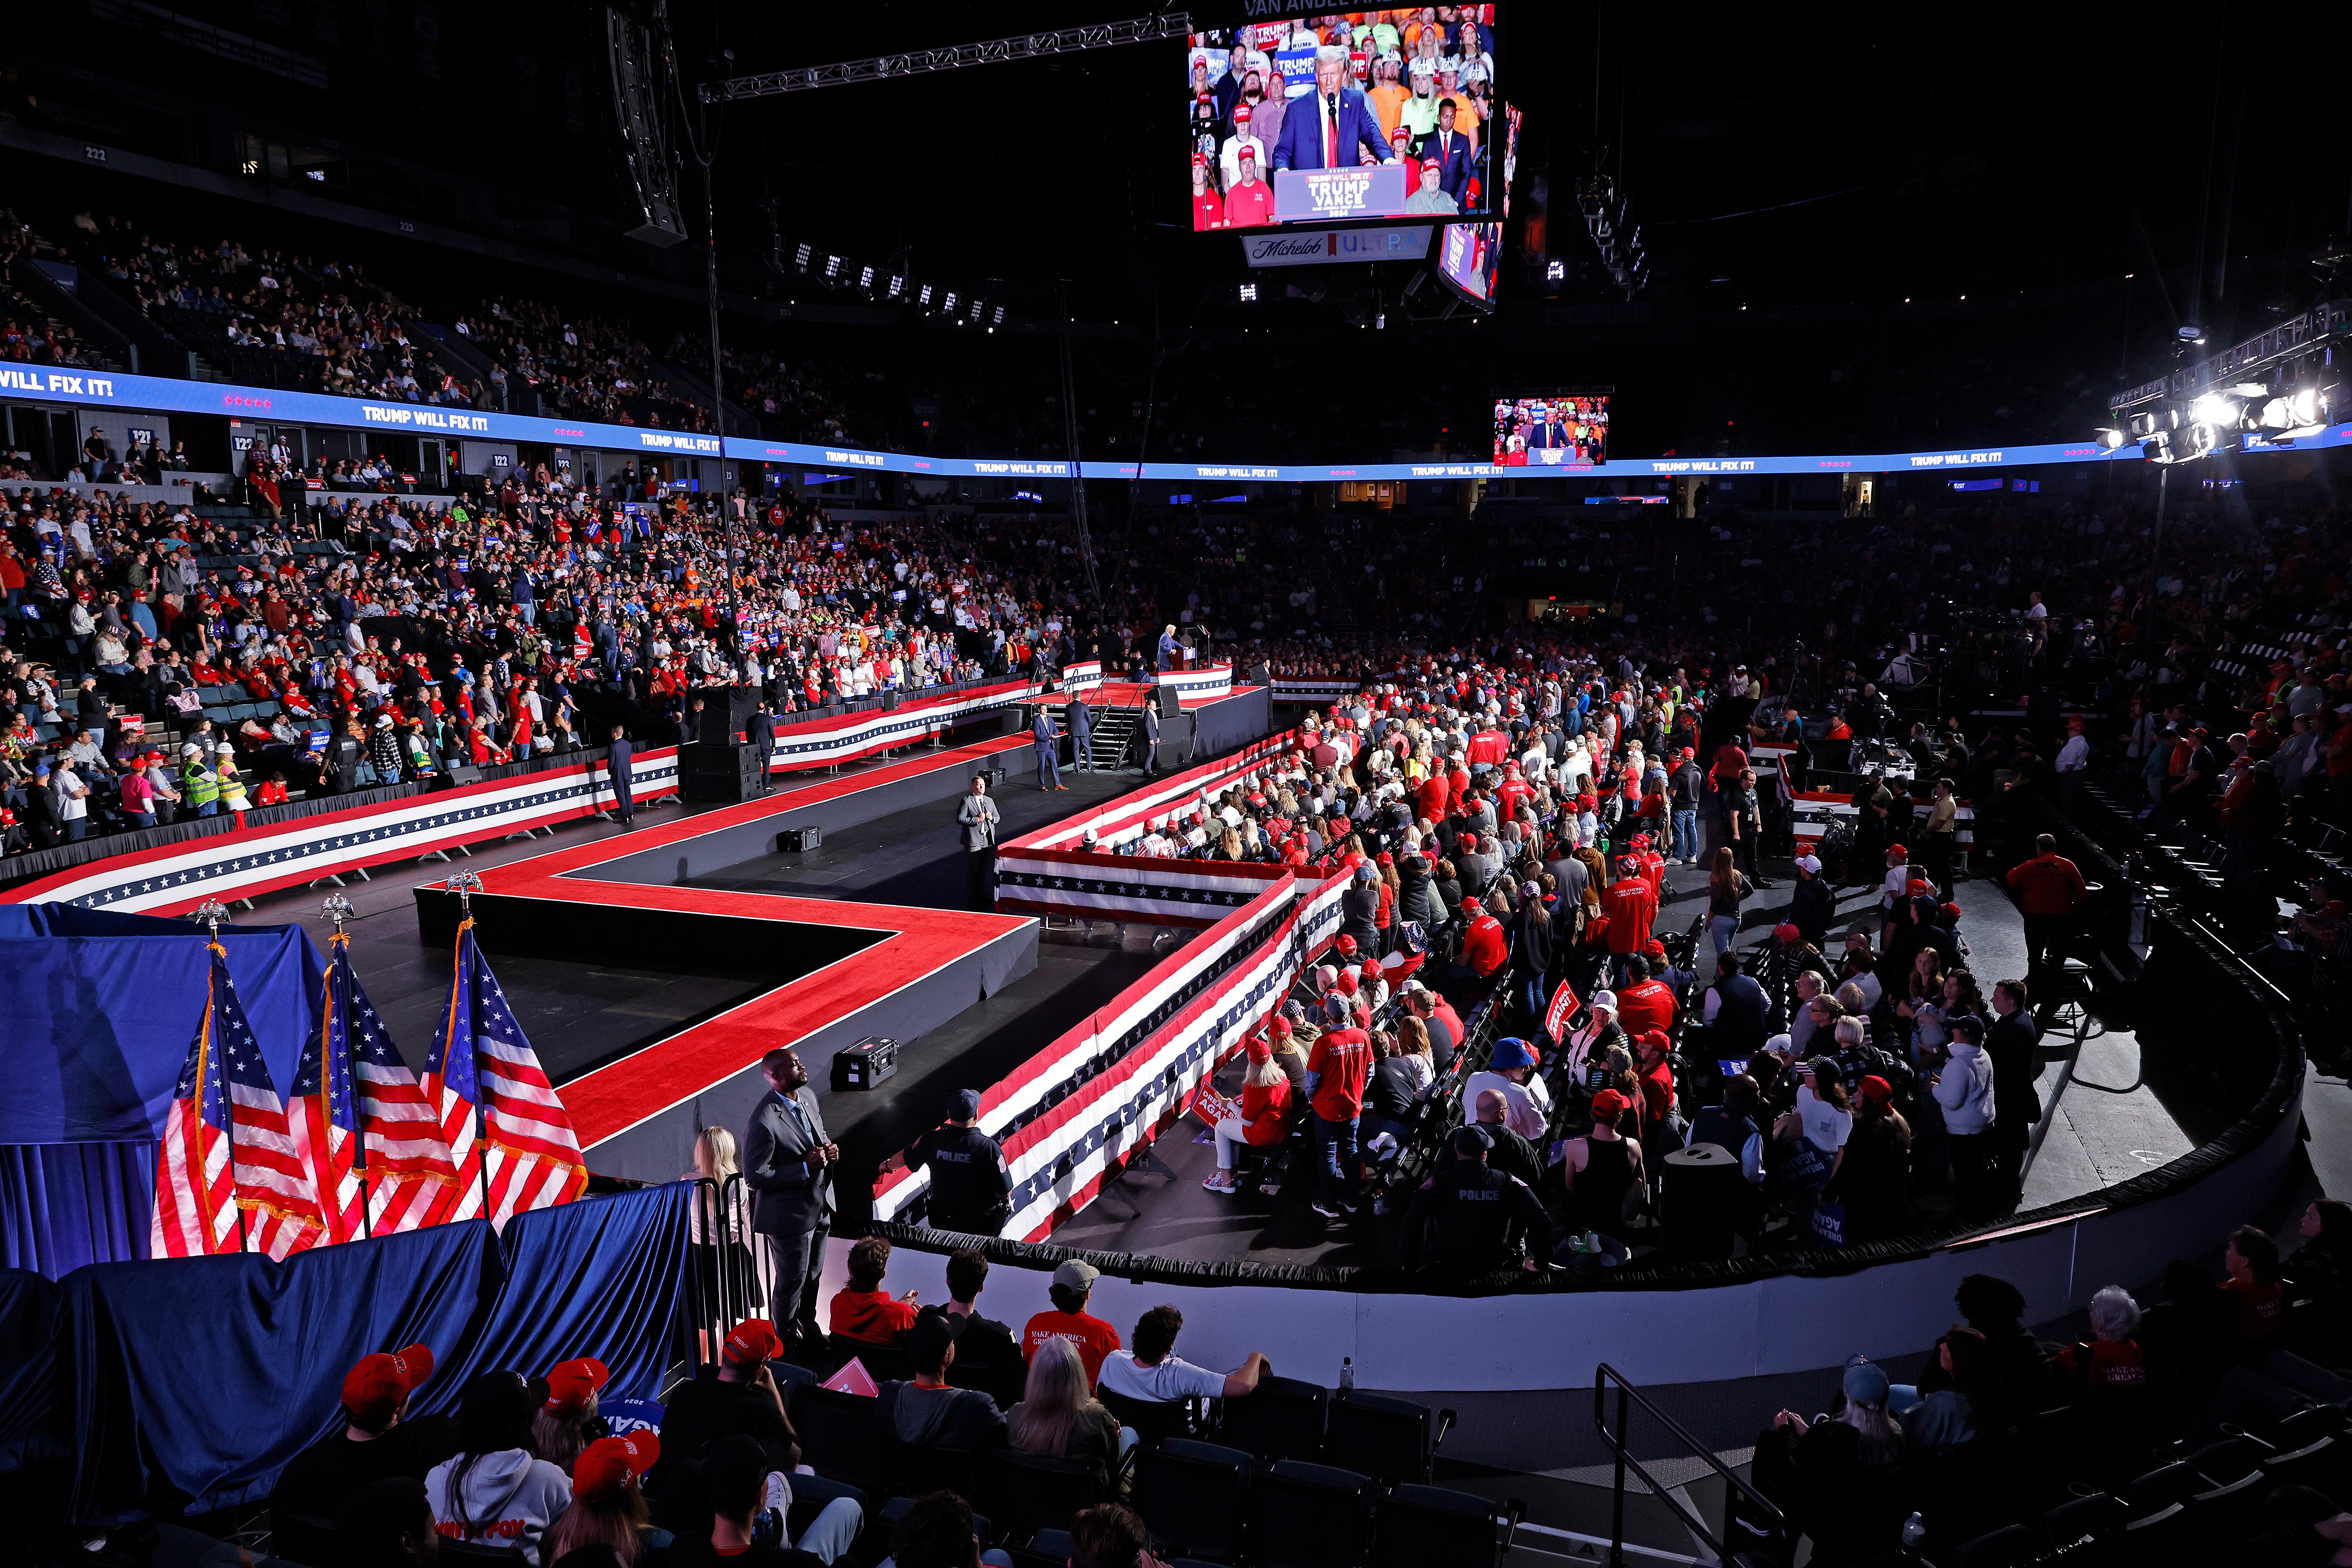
(1342, 117)
(1467, 255)
(1550, 429)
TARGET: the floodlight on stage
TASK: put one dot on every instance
(866, 278)
(924, 298)
(2110, 438)
(800, 258)
(1249, 293)
(1555, 270)
(2141, 426)
(897, 287)
(2214, 408)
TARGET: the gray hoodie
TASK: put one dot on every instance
(508, 1500)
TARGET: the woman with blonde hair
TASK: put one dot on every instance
(608, 1506)
(720, 1223)
(1059, 1417)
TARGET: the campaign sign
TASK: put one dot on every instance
(1324, 195)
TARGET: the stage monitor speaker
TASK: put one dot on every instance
(1165, 699)
(1017, 720)
(1261, 674)
(722, 773)
(726, 715)
(461, 774)
(891, 700)
(799, 840)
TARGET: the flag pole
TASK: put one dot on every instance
(338, 908)
(465, 884)
(212, 912)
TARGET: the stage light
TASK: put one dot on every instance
(865, 279)
(2157, 447)
(897, 287)
(948, 304)
(2110, 438)
(2215, 409)
(1249, 293)
(832, 267)
(800, 258)
(2199, 440)
(2190, 334)
(1555, 271)
(2141, 425)
(997, 320)
(2306, 406)
(924, 298)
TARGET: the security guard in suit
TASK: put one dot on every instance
(621, 767)
(1468, 1212)
(1079, 720)
(761, 732)
(1049, 746)
(1151, 741)
(972, 1186)
(788, 1160)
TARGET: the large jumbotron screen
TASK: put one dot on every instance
(1343, 117)
(1544, 429)
(1467, 254)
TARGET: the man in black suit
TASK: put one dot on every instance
(2013, 1044)
(619, 765)
(761, 732)
(788, 1162)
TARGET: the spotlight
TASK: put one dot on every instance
(2307, 407)
(897, 287)
(1555, 270)
(2191, 333)
(832, 267)
(800, 258)
(997, 320)
(2110, 438)
(2199, 440)
(1249, 293)
(2141, 425)
(924, 299)
(2157, 447)
(948, 304)
(866, 278)
(2216, 409)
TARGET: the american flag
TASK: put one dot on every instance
(524, 1154)
(369, 1137)
(229, 1177)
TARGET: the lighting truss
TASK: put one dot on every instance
(1029, 46)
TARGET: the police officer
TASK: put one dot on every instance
(1080, 722)
(972, 1186)
(1049, 763)
(1469, 1209)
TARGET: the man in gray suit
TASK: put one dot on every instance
(788, 1162)
(977, 815)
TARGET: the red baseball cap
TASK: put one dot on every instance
(750, 1342)
(609, 1464)
(1608, 1105)
(1877, 1088)
(1241, 112)
(1656, 950)
(1953, 910)
(1402, 133)
(374, 1389)
(1787, 932)
(1278, 1027)
(1897, 852)
(1245, 150)
(1347, 946)
(1347, 982)
(1655, 1039)
(1259, 1051)
(1919, 885)
(573, 1385)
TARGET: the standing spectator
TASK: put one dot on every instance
(1874, 1178)
(977, 817)
(1727, 890)
(620, 772)
(1963, 1090)
(2050, 889)
(2013, 1044)
(1813, 904)
(1336, 1072)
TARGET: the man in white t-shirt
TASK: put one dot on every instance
(1826, 1125)
(1153, 1373)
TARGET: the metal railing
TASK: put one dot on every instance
(722, 1279)
(1755, 1528)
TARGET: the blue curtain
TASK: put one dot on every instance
(199, 1377)
(65, 1204)
(195, 1380)
(602, 1276)
(29, 1426)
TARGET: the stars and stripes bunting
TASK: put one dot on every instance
(228, 1176)
(511, 1143)
(371, 1139)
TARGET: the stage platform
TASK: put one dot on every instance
(2110, 1120)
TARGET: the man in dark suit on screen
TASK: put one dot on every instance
(788, 1161)
(1324, 132)
(1453, 151)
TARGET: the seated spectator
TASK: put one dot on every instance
(2110, 1359)
(1074, 1281)
(377, 1441)
(1819, 1472)
(863, 1311)
(2319, 1277)
(568, 1422)
(495, 1491)
(1059, 1419)
(2188, 1338)
(1510, 1072)
(936, 1533)
(387, 1523)
(1153, 1373)
(1961, 1411)
(1261, 1120)
(608, 1508)
(982, 1342)
(2253, 1290)
(1996, 1309)
(737, 1399)
(1110, 1535)
(751, 1503)
(928, 1414)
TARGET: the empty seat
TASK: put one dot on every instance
(1031, 1492)
(789, 1377)
(2308, 1378)
(1374, 1435)
(1152, 1420)
(1421, 1524)
(478, 1552)
(1192, 1495)
(2009, 1547)
(916, 1471)
(1308, 1516)
(883, 1363)
(2097, 1518)
(841, 1434)
(1282, 1418)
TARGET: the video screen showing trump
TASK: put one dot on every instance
(1544, 429)
(1468, 256)
(1344, 116)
